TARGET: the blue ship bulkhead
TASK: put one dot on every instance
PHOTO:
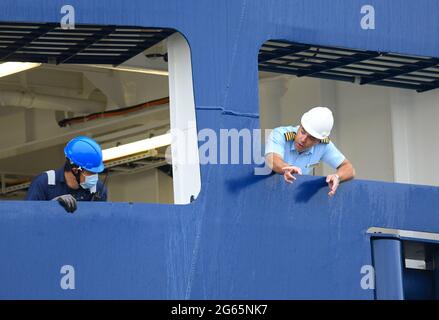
(245, 236)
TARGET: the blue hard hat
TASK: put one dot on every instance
(85, 153)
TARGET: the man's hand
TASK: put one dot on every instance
(289, 171)
(333, 182)
(67, 201)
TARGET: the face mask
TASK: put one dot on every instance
(90, 181)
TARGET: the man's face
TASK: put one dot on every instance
(304, 140)
(83, 174)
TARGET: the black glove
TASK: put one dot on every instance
(67, 201)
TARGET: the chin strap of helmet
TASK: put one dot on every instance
(69, 165)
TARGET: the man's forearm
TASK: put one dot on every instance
(275, 162)
(346, 171)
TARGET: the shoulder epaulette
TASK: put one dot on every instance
(291, 135)
(326, 140)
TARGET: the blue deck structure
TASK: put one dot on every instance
(245, 236)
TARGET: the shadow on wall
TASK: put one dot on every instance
(305, 190)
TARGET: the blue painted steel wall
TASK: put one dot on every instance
(245, 236)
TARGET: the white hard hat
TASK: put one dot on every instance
(318, 122)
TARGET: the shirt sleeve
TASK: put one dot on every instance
(37, 189)
(275, 143)
(332, 156)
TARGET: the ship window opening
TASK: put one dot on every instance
(384, 104)
(129, 88)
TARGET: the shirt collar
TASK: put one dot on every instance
(310, 150)
(59, 175)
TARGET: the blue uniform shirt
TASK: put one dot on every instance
(327, 153)
(41, 190)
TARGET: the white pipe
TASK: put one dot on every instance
(42, 101)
